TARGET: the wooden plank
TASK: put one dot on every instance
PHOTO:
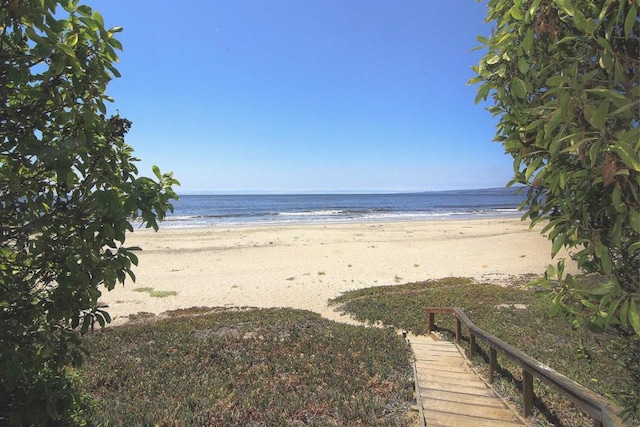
(444, 361)
(459, 380)
(433, 343)
(500, 413)
(430, 348)
(451, 376)
(430, 355)
(444, 419)
(458, 390)
(470, 410)
(442, 364)
(477, 399)
(466, 387)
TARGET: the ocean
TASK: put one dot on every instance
(238, 210)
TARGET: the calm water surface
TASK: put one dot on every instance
(215, 210)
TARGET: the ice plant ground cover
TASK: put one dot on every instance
(248, 367)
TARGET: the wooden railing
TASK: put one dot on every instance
(600, 410)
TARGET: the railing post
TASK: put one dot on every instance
(527, 392)
(493, 363)
(458, 329)
(431, 322)
(472, 344)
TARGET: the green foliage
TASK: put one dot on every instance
(68, 192)
(248, 367)
(563, 76)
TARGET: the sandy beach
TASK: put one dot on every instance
(302, 266)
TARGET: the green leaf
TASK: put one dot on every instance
(527, 41)
(72, 40)
(607, 93)
(98, 18)
(114, 71)
(523, 65)
(75, 321)
(624, 312)
(66, 50)
(599, 248)
(566, 6)
(516, 13)
(631, 19)
(557, 245)
(90, 23)
(156, 171)
(594, 152)
(589, 304)
(605, 262)
(626, 107)
(610, 287)
(599, 116)
(634, 219)
(493, 59)
(532, 167)
(133, 257)
(627, 154)
(115, 43)
(86, 323)
(97, 317)
(483, 92)
(84, 10)
(57, 65)
(102, 317)
(519, 88)
(616, 232)
(579, 20)
(606, 60)
(634, 316)
(604, 43)
(616, 198)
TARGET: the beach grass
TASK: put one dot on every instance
(143, 289)
(248, 367)
(154, 293)
(162, 294)
(601, 362)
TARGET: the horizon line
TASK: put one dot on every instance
(324, 192)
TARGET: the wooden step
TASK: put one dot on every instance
(431, 367)
(501, 413)
(450, 393)
(466, 387)
(450, 396)
(452, 376)
(444, 419)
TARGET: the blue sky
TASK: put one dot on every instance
(306, 95)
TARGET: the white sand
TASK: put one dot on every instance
(302, 266)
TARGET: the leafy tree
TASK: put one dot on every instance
(68, 193)
(563, 76)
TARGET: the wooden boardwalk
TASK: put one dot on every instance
(449, 393)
